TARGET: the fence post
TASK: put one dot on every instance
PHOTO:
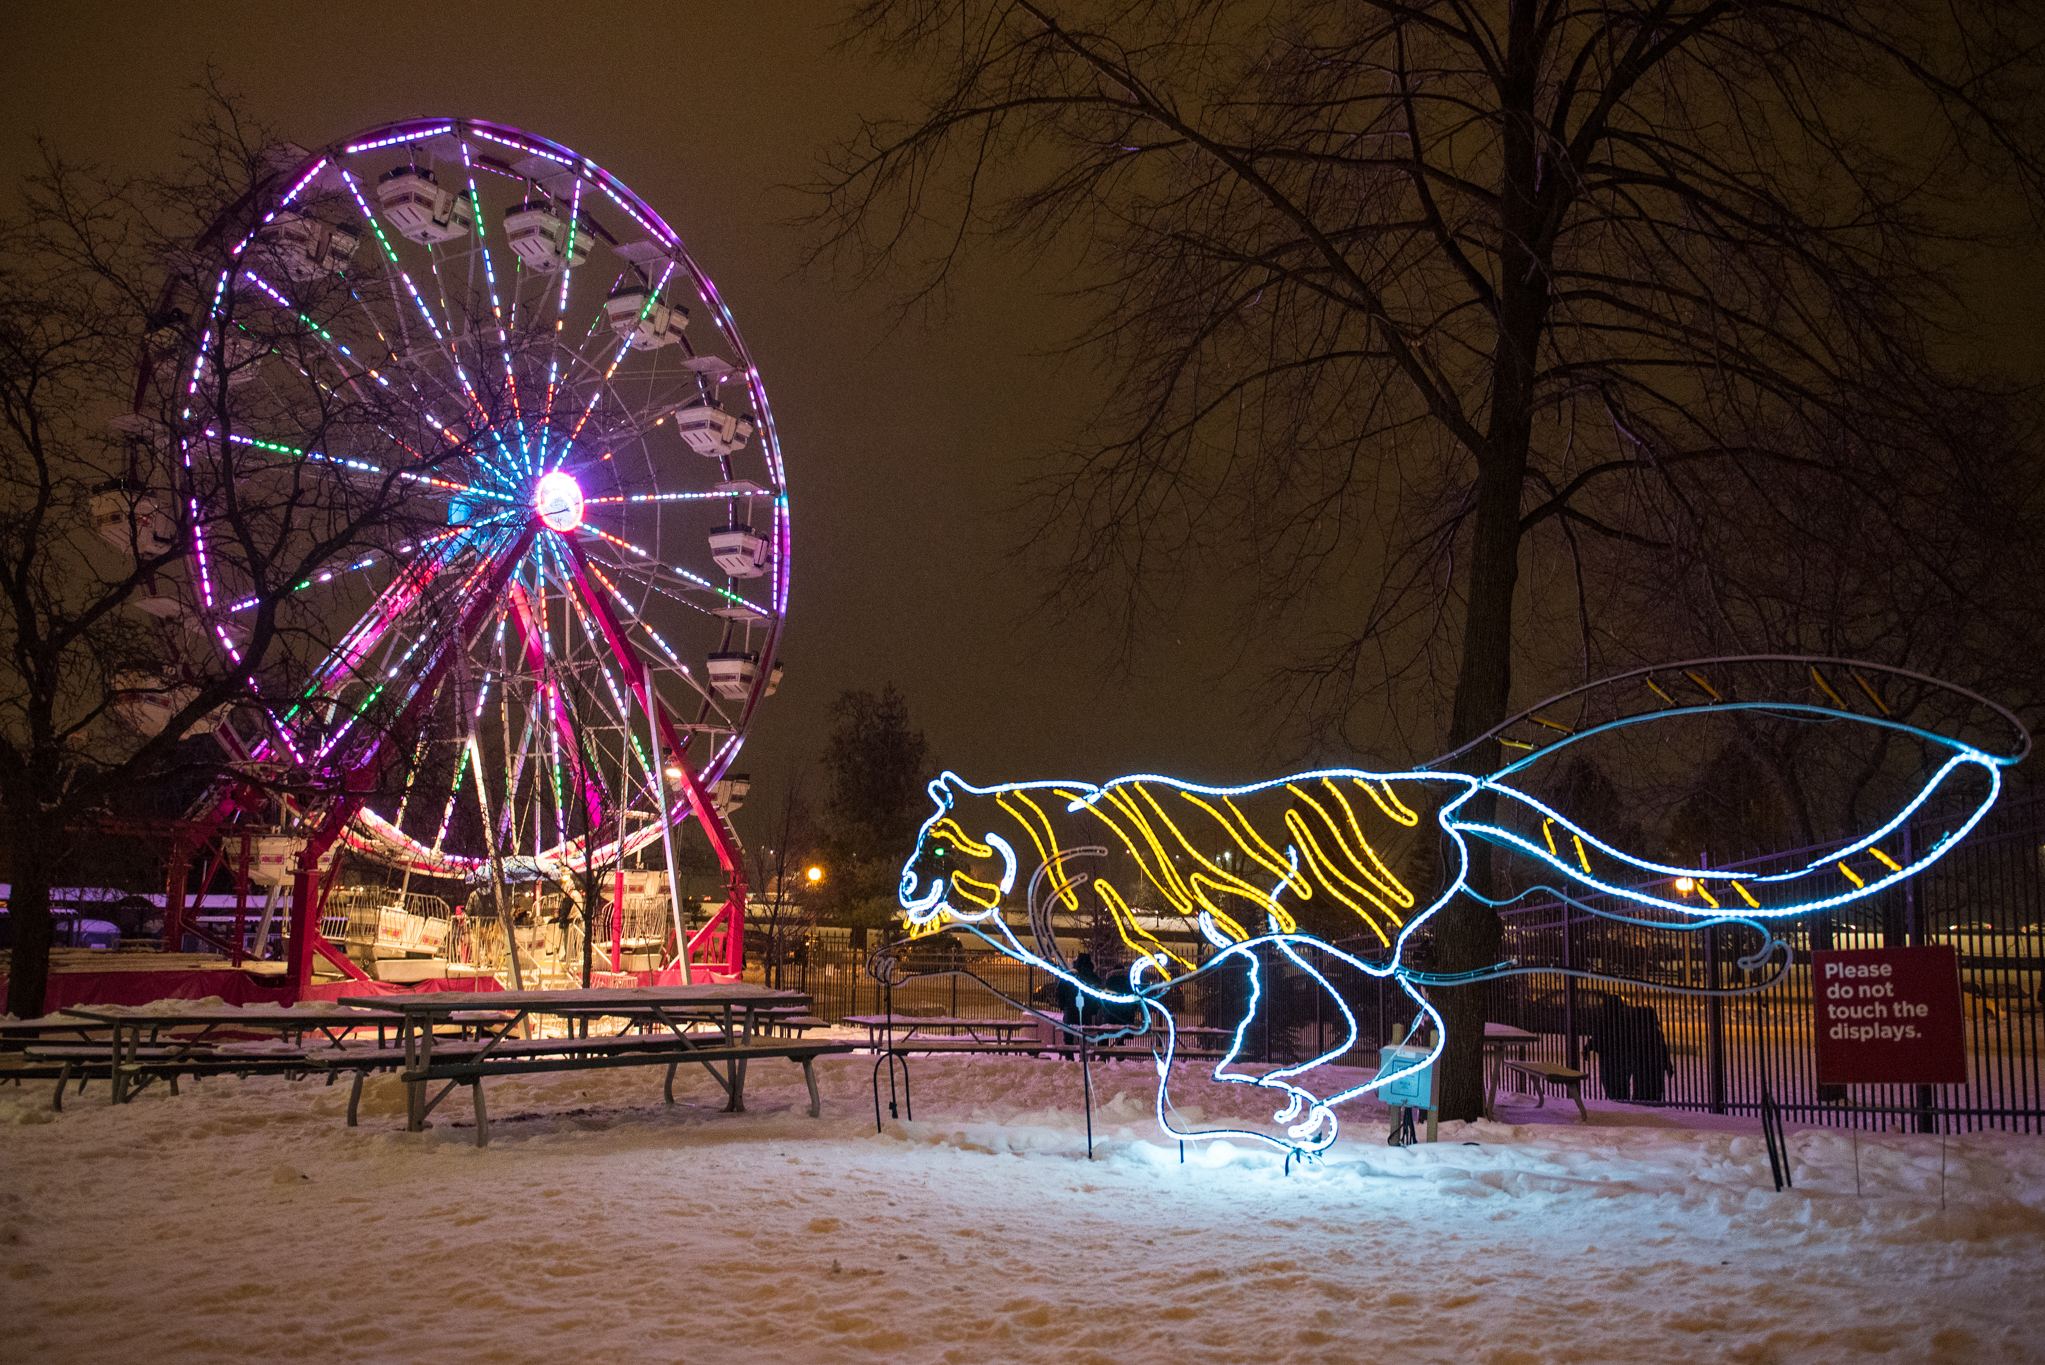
(1269, 994)
(1913, 934)
(1572, 1055)
(1321, 965)
(1714, 1022)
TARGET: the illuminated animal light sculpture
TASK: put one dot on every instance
(1240, 863)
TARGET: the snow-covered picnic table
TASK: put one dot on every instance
(1500, 1038)
(908, 1025)
(743, 1014)
(129, 1069)
(28, 1031)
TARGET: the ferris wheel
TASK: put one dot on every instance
(562, 655)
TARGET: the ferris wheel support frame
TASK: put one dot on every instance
(306, 938)
(728, 922)
(731, 918)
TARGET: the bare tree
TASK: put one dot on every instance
(876, 768)
(174, 440)
(1405, 302)
(785, 911)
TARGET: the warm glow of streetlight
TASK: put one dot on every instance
(815, 875)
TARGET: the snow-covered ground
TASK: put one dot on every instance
(242, 1221)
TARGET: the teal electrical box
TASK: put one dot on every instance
(1415, 1091)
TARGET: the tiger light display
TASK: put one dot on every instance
(1243, 866)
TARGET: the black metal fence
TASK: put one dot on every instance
(1648, 1041)
(1652, 1042)
(835, 975)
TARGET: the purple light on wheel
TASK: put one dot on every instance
(558, 499)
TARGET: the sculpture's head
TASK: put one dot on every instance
(962, 866)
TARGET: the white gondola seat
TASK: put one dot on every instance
(644, 323)
(147, 701)
(732, 674)
(421, 210)
(541, 240)
(729, 792)
(130, 520)
(711, 431)
(739, 551)
(305, 248)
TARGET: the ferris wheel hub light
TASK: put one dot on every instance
(558, 499)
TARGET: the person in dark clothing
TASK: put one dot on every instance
(1651, 1054)
(1633, 1053)
(1115, 1012)
(1080, 1008)
(563, 921)
(1612, 1038)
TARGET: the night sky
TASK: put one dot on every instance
(907, 446)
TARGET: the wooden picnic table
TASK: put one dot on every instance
(130, 1073)
(1498, 1038)
(908, 1025)
(742, 1011)
(795, 1019)
(25, 1031)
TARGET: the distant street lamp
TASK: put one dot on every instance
(815, 875)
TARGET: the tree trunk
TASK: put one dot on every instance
(1467, 931)
(1467, 934)
(28, 914)
(588, 933)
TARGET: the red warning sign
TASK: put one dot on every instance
(1888, 1016)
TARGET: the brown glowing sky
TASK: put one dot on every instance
(906, 446)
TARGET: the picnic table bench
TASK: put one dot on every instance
(137, 1066)
(1498, 1039)
(16, 1034)
(1084, 1040)
(1543, 1075)
(794, 1022)
(364, 1060)
(881, 1035)
(790, 1020)
(122, 1059)
(740, 1012)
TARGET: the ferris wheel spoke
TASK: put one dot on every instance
(529, 624)
(460, 764)
(691, 590)
(443, 341)
(509, 813)
(352, 369)
(503, 321)
(345, 660)
(711, 705)
(430, 581)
